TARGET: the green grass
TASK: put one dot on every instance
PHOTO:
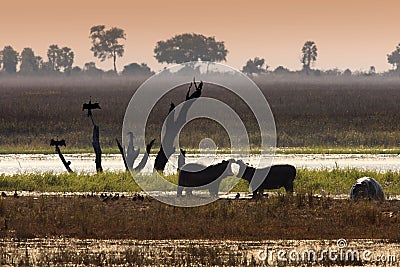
(337, 150)
(50, 182)
(336, 181)
(339, 181)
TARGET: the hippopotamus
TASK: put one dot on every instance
(197, 175)
(277, 176)
(367, 188)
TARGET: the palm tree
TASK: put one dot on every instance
(309, 55)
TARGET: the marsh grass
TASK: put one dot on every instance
(302, 216)
(334, 113)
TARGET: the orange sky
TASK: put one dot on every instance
(351, 34)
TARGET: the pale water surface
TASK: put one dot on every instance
(39, 163)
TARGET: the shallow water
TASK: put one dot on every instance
(39, 163)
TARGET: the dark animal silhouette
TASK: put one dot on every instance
(197, 175)
(237, 196)
(367, 188)
(3, 194)
(196, 93)
(16, 194)
(57, 142)
(89, 106)
(277, 176)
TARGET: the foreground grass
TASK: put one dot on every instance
(336, 181)
(281, 217)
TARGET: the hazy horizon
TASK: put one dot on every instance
(355, 35)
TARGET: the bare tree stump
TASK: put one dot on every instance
(96, 136)
(131, 153)
(66, 163)
(57, 143)
(96, 146)
(121, 150)
(145, 158)
(171, 132)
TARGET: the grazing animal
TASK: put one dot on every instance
(367, 188)
(57, 143)
(277, 176)
(197, 175)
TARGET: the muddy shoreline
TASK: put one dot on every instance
(94, 252)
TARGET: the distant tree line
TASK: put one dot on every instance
(108, 44)
(309, 54)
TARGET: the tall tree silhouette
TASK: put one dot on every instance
(66, 59)
(309, 55)
(52, 54)
(190, 47)
(394, 58)
(9, 58)
(29, 62)
(107, 43)
(60, 58)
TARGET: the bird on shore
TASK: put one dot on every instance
(137, 197)
(3, 194)
(107, 198)
(323, 193)
(237, 196)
